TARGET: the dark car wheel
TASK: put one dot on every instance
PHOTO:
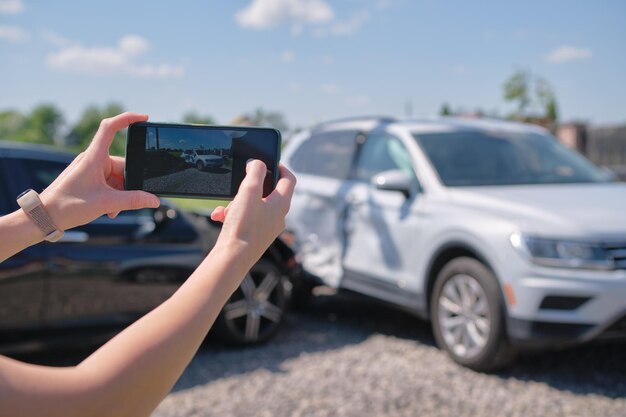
(255, 311)
(200, 165)
(467, 313)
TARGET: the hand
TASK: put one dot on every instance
(251, 222)
(93, 184)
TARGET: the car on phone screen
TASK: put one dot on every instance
(492, 230)
(108, 273)
(203, 159)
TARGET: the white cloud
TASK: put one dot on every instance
(111, 60)
(133, 45)
(287, 56)
(568, 53)
(264, 14)
(11, 6)
(13, 33)
(344, 27)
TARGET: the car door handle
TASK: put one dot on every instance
(74, 236)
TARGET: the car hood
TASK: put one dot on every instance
(559, 210)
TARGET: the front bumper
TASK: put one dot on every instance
(556, 307)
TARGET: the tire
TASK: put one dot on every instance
(468, 316)
(301, 294)
(255, 311)
(200, 165)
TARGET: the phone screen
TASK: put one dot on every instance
(197, 161)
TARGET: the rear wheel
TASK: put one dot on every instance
(467, 313)
(255, 311)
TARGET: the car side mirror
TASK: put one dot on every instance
(395, 180)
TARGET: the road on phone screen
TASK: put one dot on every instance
(192, 181)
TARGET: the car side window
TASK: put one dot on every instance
(383, 152)
(41, 173)
(4, 207)
(328, 154)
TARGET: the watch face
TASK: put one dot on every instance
(24, 193)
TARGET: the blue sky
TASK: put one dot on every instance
(193, 139)
(313, 60)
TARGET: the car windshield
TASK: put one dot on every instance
(472, 158)
(203, 152)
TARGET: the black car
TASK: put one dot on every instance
(106, 274)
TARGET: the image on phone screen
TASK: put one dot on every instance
(189, 161)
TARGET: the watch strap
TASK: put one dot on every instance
(30, 202)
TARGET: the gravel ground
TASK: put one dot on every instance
(349, 356)
(191, 180)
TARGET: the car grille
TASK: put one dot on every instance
(617, 252)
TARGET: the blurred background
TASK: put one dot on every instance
(290, 64)
(293, 63)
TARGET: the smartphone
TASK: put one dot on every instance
(197, 161)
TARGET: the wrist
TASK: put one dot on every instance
(236, 251)
(52, 203)
(26, 233)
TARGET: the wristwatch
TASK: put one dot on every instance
(30, 202)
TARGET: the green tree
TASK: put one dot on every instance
(264, 118)
(534, 95)
(445, 110)
(546, 99)
(41, 125)
(517, 89)
(552, 111)
(11, 123)
(193, 117)
(83, 131)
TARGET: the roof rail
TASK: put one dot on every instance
(379, 119)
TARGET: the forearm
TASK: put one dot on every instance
(18, 233)
(131, 373)
(145, 360)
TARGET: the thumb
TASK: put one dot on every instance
(133, 200)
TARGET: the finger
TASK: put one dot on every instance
(108, 127)
(113, 215)
(116, 176)
(252, 184)
(130, 200)
(117, 165)
(116, 181)
(285, 186)
(218, 214)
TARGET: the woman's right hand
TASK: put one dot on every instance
(251, 222)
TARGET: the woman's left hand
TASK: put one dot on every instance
(93, 184)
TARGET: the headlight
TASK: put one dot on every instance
(563, 253)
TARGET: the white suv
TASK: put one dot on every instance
(492, 230)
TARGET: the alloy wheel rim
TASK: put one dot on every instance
(253, 311)
(463, 313)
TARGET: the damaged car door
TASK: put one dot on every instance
(324, 164)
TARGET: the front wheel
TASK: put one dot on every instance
(256, 309)
(468, 314)
(200, 165)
